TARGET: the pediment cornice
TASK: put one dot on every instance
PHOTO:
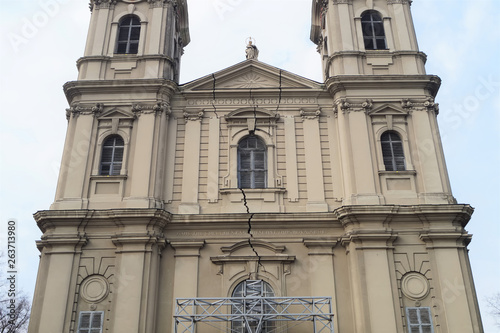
(250, 74)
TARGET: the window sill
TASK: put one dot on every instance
(102, 177)
(393, 173)
(266, 194)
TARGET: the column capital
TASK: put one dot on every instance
(187, 248)
(443, 240)
(320, 246)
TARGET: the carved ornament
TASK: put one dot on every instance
(101, 4)
(310, 114)
(345, 105)
(77, 109)
(423, 105)
(251, 101)
(193, 115)
(157, 109)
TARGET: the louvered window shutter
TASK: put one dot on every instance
(419, 320)
(90, 322)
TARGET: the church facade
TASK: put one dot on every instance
(245, 198)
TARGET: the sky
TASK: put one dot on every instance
(42, 39)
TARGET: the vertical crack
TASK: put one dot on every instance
(213, 106)
(252, 131)
(249, 231)
(281, 90)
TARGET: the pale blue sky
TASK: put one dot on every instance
(42, 40)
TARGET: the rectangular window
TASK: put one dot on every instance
(90, 322)
(419, 320)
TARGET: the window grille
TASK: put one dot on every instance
(252, 289)
(90, 322)
(419, 320)
(252, 163)
(129, 30)
(112, 156)
(392, 152)
(373, 31)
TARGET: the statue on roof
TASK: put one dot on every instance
(252, 52)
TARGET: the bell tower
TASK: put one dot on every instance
(135, 39)
(366, 37)
(383, 98)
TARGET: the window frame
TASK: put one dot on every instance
(266, 290)
(374, 24)
(129, 41)
(419, 325)
(397, 161)
(112, 171)
(252, 170)
(90, 329)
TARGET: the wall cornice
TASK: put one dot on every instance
(342, 83)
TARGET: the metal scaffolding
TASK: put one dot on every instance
(254, 314)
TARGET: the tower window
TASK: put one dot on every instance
(90, 322)
(112, 156)
(392, 151)
(373, 31)
(419, 320)
(129, 30)
(252, 309)
(252, 163)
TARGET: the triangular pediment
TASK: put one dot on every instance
(116, 113)
(387, 109)
(251, 74)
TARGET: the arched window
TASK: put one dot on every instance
(112, 156)
(252, 163)
(373, 31)
(252, 309)
(129, 30)
(392, 151)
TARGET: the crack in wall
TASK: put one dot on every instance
(249, 231)
(252, 132)
(221, 137)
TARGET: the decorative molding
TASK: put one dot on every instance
(243, 102)
(400, 2)
(77, 109)
(310, 114)
(338, 2)
(415, 286)
(420, 105)
(193, 115)
(102, 4)
(160, 3)
(345, 105)
(94, 289)
(157, 109)
(255, 243)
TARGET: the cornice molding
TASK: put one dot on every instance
(339, 83)
(399, 2)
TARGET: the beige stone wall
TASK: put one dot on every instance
(373, 261)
